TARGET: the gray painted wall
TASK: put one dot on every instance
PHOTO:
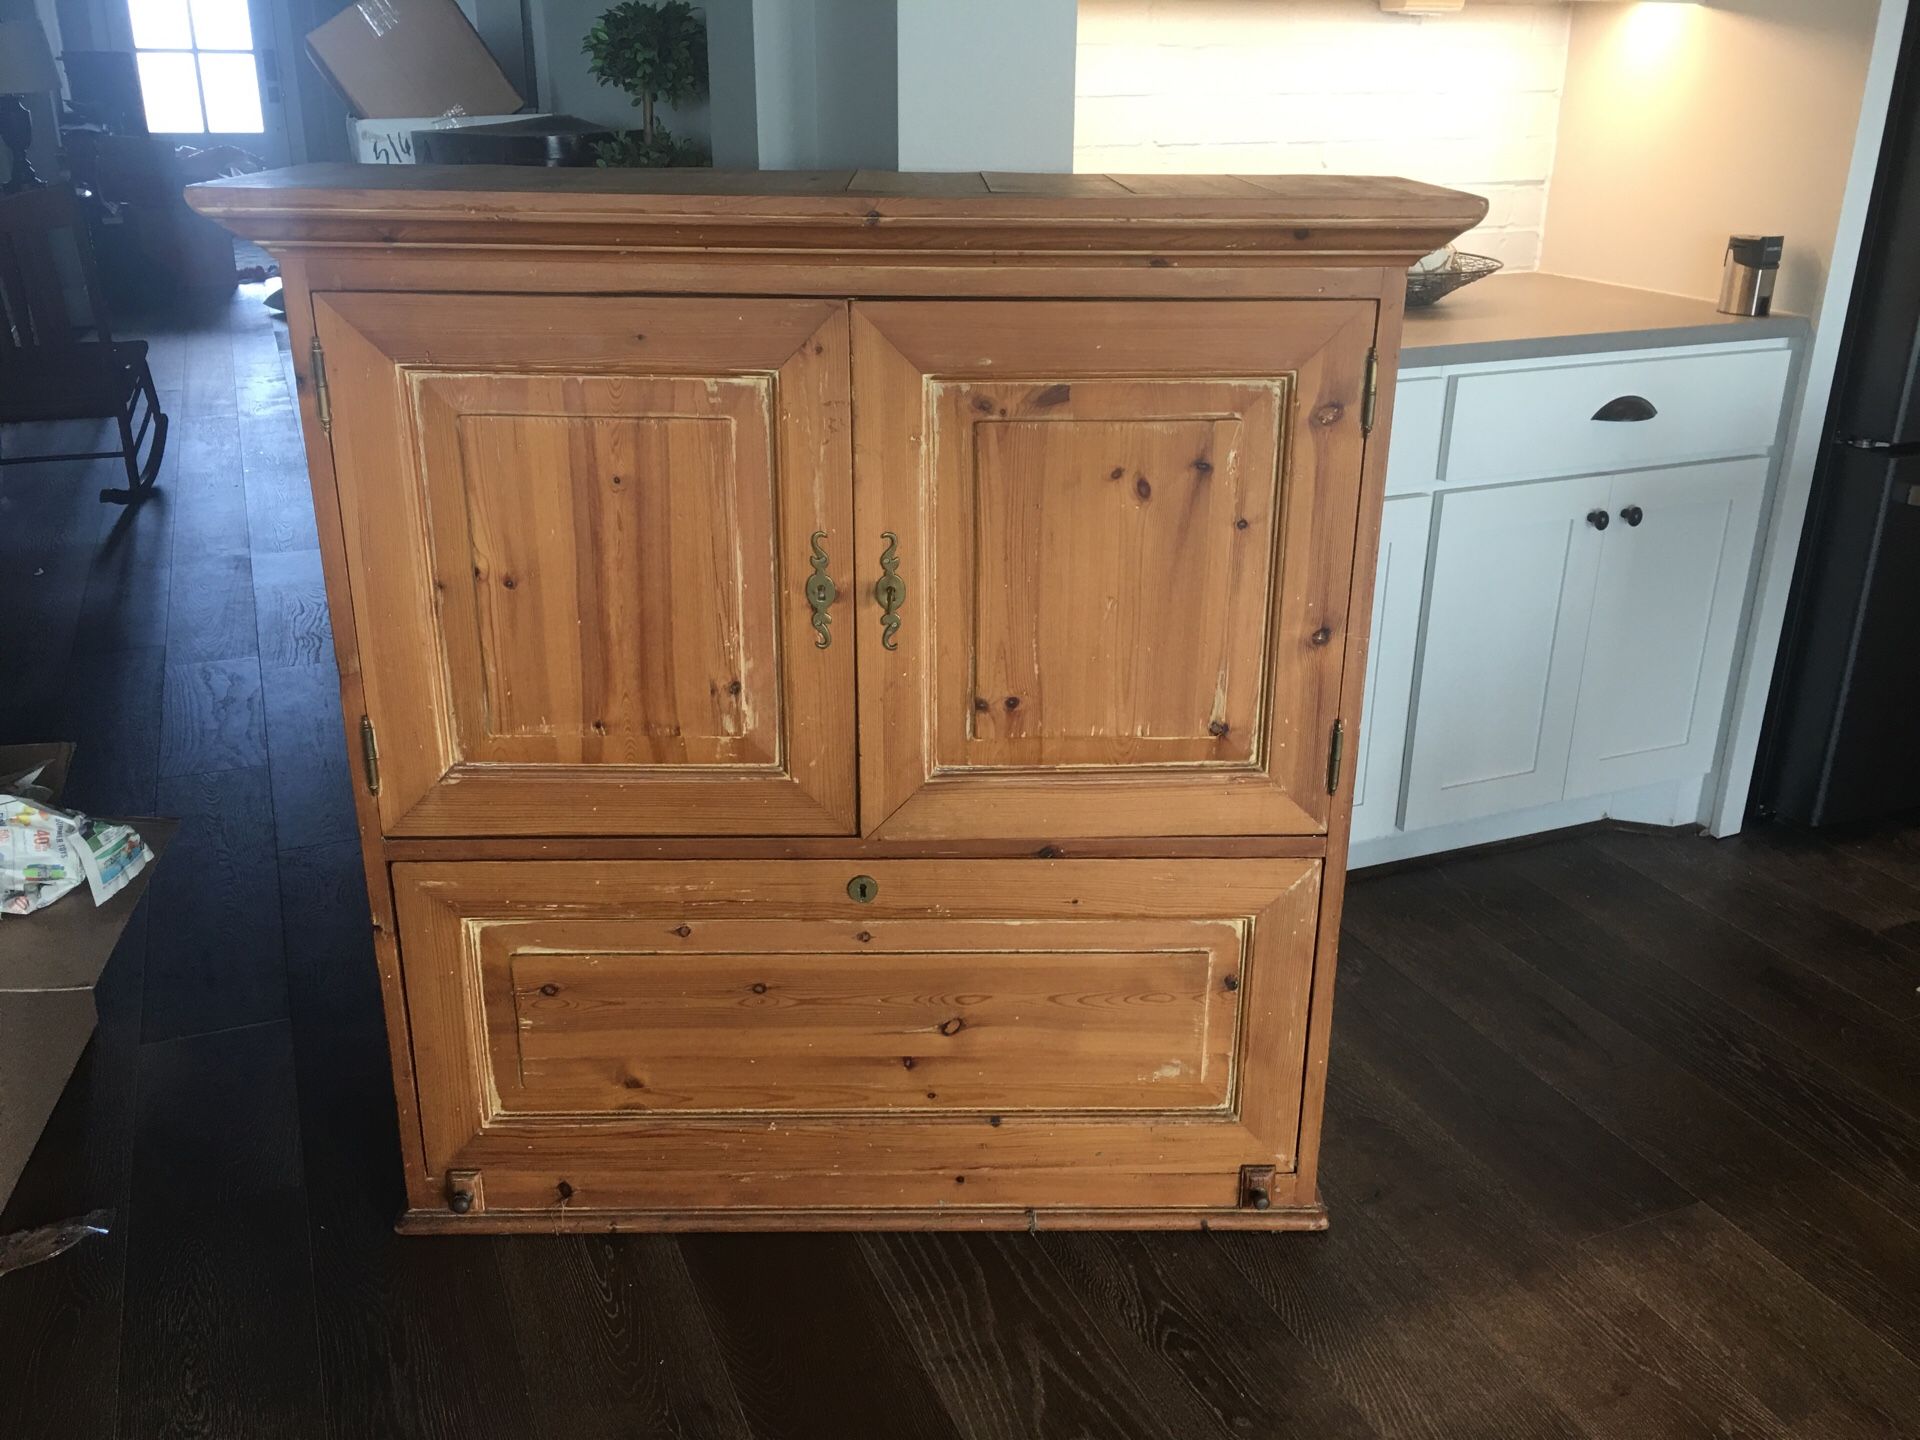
(986, 85)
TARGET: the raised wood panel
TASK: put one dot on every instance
(1126, 532)
(1121, 563)
(1131, 1032)
(613, 1017)
(586, 511)
(579, 533)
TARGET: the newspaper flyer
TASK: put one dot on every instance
(45, 852)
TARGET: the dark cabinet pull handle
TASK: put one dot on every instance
(1599, 519)
(1627, 407)
(1632, 514)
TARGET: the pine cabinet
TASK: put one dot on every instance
(849, 676)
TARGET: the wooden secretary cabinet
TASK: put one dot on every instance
(851, 674)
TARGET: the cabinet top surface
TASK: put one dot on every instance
(1312, 217)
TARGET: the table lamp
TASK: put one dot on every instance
(26, 68)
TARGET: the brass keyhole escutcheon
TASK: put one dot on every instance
(821, 593)
(863, 888)
(890, 591)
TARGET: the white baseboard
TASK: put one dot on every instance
(1674, 803)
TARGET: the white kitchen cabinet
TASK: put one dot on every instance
(1573, 419)
(1508, 600)
(1399, 581)
(1666, 616)
(1531, 666)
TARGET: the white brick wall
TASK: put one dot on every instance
(1468, 100)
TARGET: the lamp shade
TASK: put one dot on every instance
(26, 62)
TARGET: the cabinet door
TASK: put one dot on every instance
(579, 533)
(1123, 534)
(1508, 599)
(1398, 588)
(731, 1036)
(1666, 617)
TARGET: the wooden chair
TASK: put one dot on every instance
(58, 357)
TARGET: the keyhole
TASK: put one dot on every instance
(863, 888)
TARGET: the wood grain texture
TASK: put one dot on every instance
(215, 960)
(1809, 1215)
(793, 1379)
(616, 1340)
(290, 609)
(1125, 653)
(513, 615)
(1294, 218)
(785, 1132)
(613, 563)
(308, 755)
(219, 1284)
(212, 718)
(1598, 1351)
(967, 1300)
(1192, 1313)
(599, 1017)
(1813, 1365)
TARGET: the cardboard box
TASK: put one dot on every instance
(390, 142)
(49, 963)
(397, 58)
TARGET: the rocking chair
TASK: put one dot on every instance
(59, 360)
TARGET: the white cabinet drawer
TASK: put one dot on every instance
(1529, 424)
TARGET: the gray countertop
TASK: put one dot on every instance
(1526, 317)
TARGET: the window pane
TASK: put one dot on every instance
(232, 88)
(160, 24)
(172, 93)
(222, 25)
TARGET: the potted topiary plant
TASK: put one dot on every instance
(654, 52)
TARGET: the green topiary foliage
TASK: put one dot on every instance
(654, 52)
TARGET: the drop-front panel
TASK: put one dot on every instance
(760, 599)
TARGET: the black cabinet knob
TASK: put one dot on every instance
(460, 1201)
(1632, 514)
(1599, 519)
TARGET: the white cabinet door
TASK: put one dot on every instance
(1666, 616)
(1508, 602)
(1399, 583)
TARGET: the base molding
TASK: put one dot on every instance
(561, 1222)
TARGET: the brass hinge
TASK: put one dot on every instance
(1334, 747)
(317, 369)
(370, 755)
(1371, 400)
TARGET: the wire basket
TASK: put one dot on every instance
(1428, 287)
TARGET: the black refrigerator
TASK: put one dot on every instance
(1842, 738)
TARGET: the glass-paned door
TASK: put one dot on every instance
(201, 74)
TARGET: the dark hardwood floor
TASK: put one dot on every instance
(1624, 1131)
